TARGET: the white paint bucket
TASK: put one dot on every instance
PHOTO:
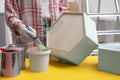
(39, 61)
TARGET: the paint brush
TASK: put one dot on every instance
(38, 42)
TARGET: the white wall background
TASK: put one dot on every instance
(2, 6)
(5, 35)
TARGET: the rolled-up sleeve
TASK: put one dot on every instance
(12, 14)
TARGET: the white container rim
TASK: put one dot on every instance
(36, 51)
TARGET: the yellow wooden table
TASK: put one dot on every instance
(87, 70)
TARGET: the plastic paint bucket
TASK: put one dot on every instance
(39, 61)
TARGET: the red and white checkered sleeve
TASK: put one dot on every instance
(11, 13)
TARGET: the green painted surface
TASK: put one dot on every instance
(79, 52)
(109, 59)
(82, 50)
(56, 27)
(90, 28)
(85, 46)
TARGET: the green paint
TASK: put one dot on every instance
(41, 47)
(56, 27)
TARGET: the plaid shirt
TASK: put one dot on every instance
(57, 7)
(29, 13)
